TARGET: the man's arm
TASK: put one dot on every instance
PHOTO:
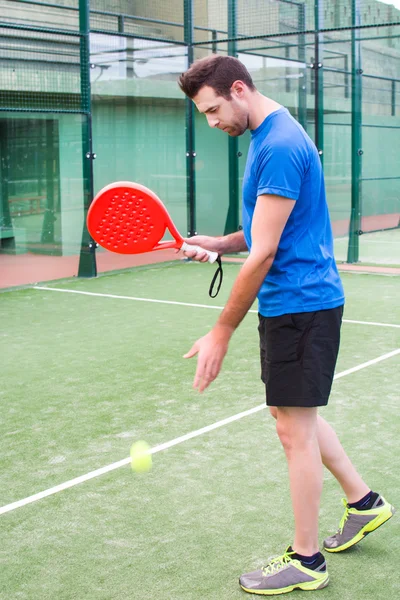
(270, 216)
(227, 244)
(233, 242)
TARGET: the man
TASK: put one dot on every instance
(292, 271)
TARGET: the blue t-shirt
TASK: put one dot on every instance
(283, 161)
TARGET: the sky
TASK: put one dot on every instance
(395, 3)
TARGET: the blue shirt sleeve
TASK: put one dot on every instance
(280, 170)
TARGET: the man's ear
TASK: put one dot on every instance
(238, 88)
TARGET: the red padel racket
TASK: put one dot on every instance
(128, 218)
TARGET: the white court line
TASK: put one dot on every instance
(37, 287)
(371, 323)
(166, 445)
(367, 241)
(126, 461)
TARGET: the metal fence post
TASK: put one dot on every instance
(319, 79)
(214, 37)
(232, 218)
(190, 126)
(356, 138)
(302, 115)
(87, 259)
(393, 112)
(47, 236)
(5, 213)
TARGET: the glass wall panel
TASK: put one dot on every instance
(41, 193)
(334, 101)
(139, 120)
(212, 178)
(279, 70)
(380, 175)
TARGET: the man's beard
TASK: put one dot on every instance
(240, 128)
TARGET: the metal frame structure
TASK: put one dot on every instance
(87, 261)
(314, 75)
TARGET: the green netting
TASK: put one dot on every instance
(39, 70)
(306, 59)
(254, 18)
(216, 21)
(151, 19)
(53, 14)
(371, 13)
(134, 66)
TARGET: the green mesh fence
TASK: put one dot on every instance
(372, 13)
(60, 14)
(273, 17)
(151, 19)
(136, 66)
(39, 70)
(335, 65)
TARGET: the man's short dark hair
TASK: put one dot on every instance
(216, 71)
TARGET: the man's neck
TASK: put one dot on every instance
(261, 107)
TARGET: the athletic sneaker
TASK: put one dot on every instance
(356, 524)
(284, 574)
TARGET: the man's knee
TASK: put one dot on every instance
(284, 433)
(274, 411)
(296, 428)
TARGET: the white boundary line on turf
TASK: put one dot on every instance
(179, 440)
(37, 287)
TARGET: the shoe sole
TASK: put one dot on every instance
(307, 586)
(369, 528)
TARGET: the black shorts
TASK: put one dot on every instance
(298, 356)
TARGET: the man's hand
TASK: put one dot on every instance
(206, 242)
(226, 244)
(211, 350)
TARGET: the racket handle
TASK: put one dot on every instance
(212, 256)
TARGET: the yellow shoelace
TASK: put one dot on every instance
(345, 516)
(278, 563)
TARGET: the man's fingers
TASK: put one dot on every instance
(189, 253)
(209, 360)
(199, 256)
(192, 352)
(215, 369)
(205, 374)
(211, 372)
(200, 372)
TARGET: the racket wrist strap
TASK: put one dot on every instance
(218, 277)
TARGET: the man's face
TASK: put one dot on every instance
(230, 115)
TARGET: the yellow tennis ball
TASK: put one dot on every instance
(141, 460)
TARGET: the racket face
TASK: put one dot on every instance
(127, 218)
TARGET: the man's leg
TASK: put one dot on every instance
(298, 433)
(302, 565)
(365, 511)
(336, 460)
(338, 463)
